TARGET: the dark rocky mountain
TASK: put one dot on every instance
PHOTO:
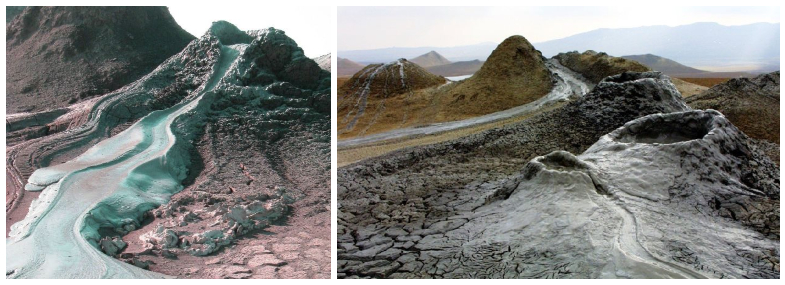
(58, 56)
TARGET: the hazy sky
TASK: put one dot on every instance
(381, 27)
(310, 27)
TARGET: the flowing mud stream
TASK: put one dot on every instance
(568, 85)
(112, 183)
(631, 259)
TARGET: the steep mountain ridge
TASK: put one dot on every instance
(57, 56)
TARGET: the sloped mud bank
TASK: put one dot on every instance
(642, 200)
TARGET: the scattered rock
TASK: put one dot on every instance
(265, 259)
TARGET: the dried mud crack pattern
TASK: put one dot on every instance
(640, 202)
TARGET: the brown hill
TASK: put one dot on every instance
(378, 98)
(86, 51)
(457, 68)
(430, 59)
(379, 95)
(391, 79)
(347, 67)
(514, 74)
(751, 104)
(595, 66)
(687, 88)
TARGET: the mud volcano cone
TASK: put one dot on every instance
(514, 74)
(392, 78)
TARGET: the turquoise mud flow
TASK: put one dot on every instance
(109, 186)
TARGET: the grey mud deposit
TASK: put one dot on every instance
(624, 182)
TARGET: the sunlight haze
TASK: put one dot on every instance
(315, 40)
(381, 27)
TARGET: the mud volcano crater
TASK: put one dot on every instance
(561, 161)
(664, 131)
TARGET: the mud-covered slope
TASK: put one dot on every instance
(245, 130)
(514, 74)
(469, 207)
(265, 163)
(58, 56)
(752, 104)
(390, 79)
(380, 94)
(89, 122)
(595, 66)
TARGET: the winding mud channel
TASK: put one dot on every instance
(568, 84)
(112, 182)
(632, 259)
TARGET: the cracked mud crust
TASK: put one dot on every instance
(514, 202)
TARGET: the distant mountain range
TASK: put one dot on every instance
(347, 67)
(439, 65)
(469, 52)
(457, 68)
(753, 47)
(429, 59)
(699, 44)
(675, 69)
